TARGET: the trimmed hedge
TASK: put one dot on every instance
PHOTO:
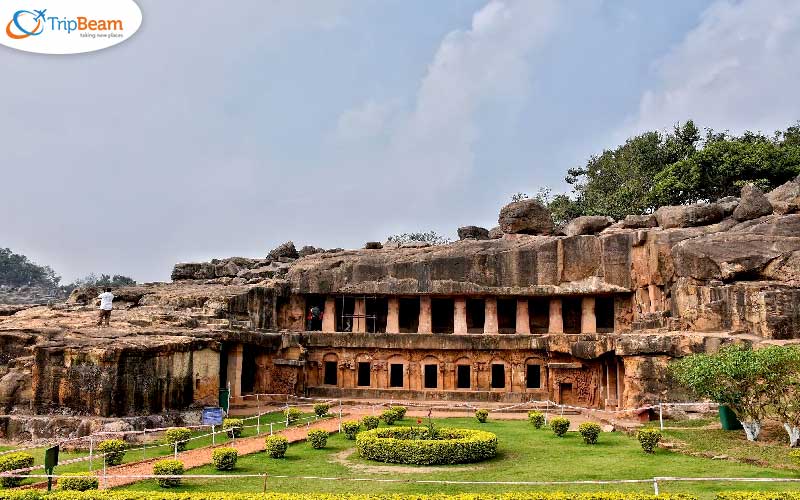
(317, 438)
(390, 416)
(351, 428)
(401, 411)
(536, 418)
(276, 446)
(14, 461)
(292, 414)
(225, 458)
(321, 409)
(142, 495)
(649, 439)
(482, 415)
(178, 435)
(233, 426)
(406, 445)
(168, 467)
(113, 449)
(758, 495)
(590, 431)
(370, 422)
(560, 426)
(77, 481)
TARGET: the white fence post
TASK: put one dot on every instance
(655, 486)
(661, 417)
(176, 450)
(213, 435)
(91, 452)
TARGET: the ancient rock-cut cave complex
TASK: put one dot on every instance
(587, 314)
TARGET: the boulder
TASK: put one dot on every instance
(785, 199)
(587, 224)
(495, 233)
(728, 204)
(415, 244)
(473, 233)
(639, 221)
(373, 245)
(753, 204)
(285, 250)
(525, 217)
(700, 214)
(309, 250)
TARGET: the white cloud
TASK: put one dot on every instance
(737, 70)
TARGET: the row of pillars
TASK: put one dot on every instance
(490, 326)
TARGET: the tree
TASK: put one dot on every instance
(16, 270)
(425, 237)
(104, 280)
(736, 377)
(781, 367)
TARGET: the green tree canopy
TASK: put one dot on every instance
(16, 270)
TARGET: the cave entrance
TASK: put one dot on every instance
(567, 395)
(377, 310)
(431, 376)
(396, 375)
(507, 315)
(571, 312)
(498, 376)
(533, 376)
(463, 377)
(604, 314)
(442, 311)
(539, 315)
(476, 315)
(364, 374)
(223, 365)
(248, 368)
(408, 316)
(331, 373)
(315, 310)
(345, 307)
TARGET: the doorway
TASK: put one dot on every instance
(363, 374)
(396, 375)
(566, 394)
(331, 373)
(463, 377)
(431, 376)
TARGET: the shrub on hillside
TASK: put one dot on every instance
(590, 431)
(178, 435)
(795, 456)
(233, 426)
(168, 467)
(14, 461)
(560, 426)
(321, 409)
(77, 481)
(536, 418)
(390, 416)
(317, 438)
(351, 428)
(482, 415)
(276, 446)
(225, 458)
(649, 439)
(401, 411)
(113, 449)
(370, 422)
(292, 415)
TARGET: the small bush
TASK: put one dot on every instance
(321, 409)
(233, 426)
(351, 428)
(560, 426)
(536, 418)
(168, 467)
(276, 446)
(390, 416)
(649, 439)
(178, 435)
(292, 415)
(795, 456)
(113, 449)
(225, 458)
(370, 422)
(14, 461)
(317, 438)
(482, 415)
(401, 411)
(77, 481)
(590, 431)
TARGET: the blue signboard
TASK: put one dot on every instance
(212, 416)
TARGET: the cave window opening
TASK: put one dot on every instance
(463, 377)
(331, 373)
(507, 315)
(377, 310)
(364, 374)
(315, 310)
(442, 311)
(345, 307)
(571, 312)
(476, 315)
(248, 369)
(533, 376)
(408, 316)
(396, 375)
(539, 315)
(498, 376)
(604, 314)
(431, 376)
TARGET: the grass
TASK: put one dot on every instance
(524, 454)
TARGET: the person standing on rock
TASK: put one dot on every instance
(106, 300)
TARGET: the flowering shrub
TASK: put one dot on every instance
(178, 435)
(14, 461)
(321, 409)
(234, 426)
(536, 418)
(168, 468)
(482, 415)
(649, 439)
(795, 456)
(77, 481)
(225, 458)
(590, 431)
(113, 449)
(370, 422)
(318, 438)
(276, 446)
(292, 415)
(560, 426)
(407, 445)
(401, 412)
(351, 428)
(390, 416)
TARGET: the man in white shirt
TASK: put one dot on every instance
(106, 298)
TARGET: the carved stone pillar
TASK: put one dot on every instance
(235, 355)
(556, 318)
(523, 317)
(424, 315)
(588, 318)
(460, 315)
(329, 316)
(490, 316)
(393, 316)
(359, 321)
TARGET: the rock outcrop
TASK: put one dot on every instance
(700, 214)
(525, 217)
(785, 199)
(473, 233)
(587, 224)
(752, 205)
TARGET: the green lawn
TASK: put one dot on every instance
(524, 454)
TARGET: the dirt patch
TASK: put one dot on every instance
(342, 459)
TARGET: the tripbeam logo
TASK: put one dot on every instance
(73, 28)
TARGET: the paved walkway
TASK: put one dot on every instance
(202, 456)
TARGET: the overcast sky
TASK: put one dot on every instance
(225, 129)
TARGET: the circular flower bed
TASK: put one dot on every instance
(407, 445)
